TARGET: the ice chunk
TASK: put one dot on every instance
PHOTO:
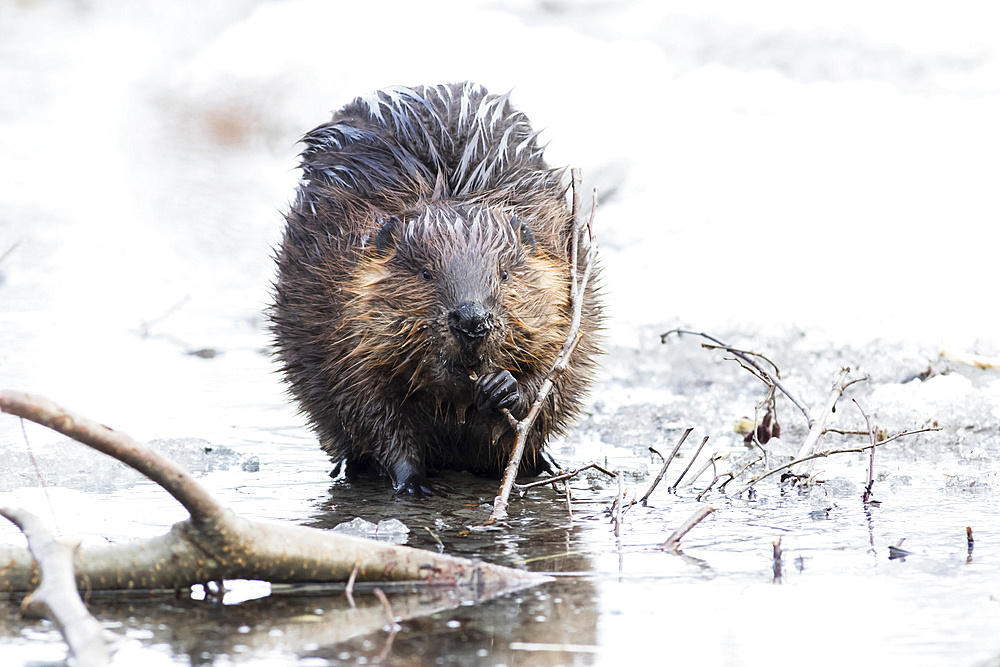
(387, 530)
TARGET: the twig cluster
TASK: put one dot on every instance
(798, 468)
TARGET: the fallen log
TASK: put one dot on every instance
(216, 544)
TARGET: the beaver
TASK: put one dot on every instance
(423, 286)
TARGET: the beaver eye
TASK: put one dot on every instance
(426, 274)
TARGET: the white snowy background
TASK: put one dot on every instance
(763, 167)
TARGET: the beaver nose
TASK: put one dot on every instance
(469, 323)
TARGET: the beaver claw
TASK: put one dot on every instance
(421, 487)
(496, 391)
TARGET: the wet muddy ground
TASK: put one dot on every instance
(148, 153)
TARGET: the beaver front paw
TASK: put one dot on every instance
(421, 487)
(496, 391)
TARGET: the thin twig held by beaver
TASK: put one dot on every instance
(429, 244)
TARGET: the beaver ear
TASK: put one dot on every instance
(522, 229)
(385, 240)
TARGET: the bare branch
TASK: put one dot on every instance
(177, 481)
(816, 427)
(690, 463)
(57, 598)
(748, 358)
(866, 497)
(619, 501)
(736, 475)
(830, 452)
(663, 469)
(578, 289)
(715, 472)
(562, 477)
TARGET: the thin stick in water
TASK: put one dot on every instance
(663, 469)
(866, 497)
(690, 463)
(619, 501)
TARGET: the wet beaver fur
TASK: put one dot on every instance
(428, 244)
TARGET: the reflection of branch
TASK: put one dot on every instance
(57, 597)
(578, 291)
(674, 541)
(829, 452)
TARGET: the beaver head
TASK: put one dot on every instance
(448, 291)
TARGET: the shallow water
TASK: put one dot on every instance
(147, 156)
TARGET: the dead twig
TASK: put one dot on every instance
(436, 539)
(177, 481)
(57, 597)
(390, 618)
(690, 463)
(521, 488)
(578, 289)
(38, 475)
(896, 551)
(663, 469)
(816, 427)
(710, 463)
(737, 475)
(715, 473)
(674, 541)
(747, 357)
(831, 452)
(866, 497)
(619, 501)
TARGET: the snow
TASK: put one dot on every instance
(818, 182)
